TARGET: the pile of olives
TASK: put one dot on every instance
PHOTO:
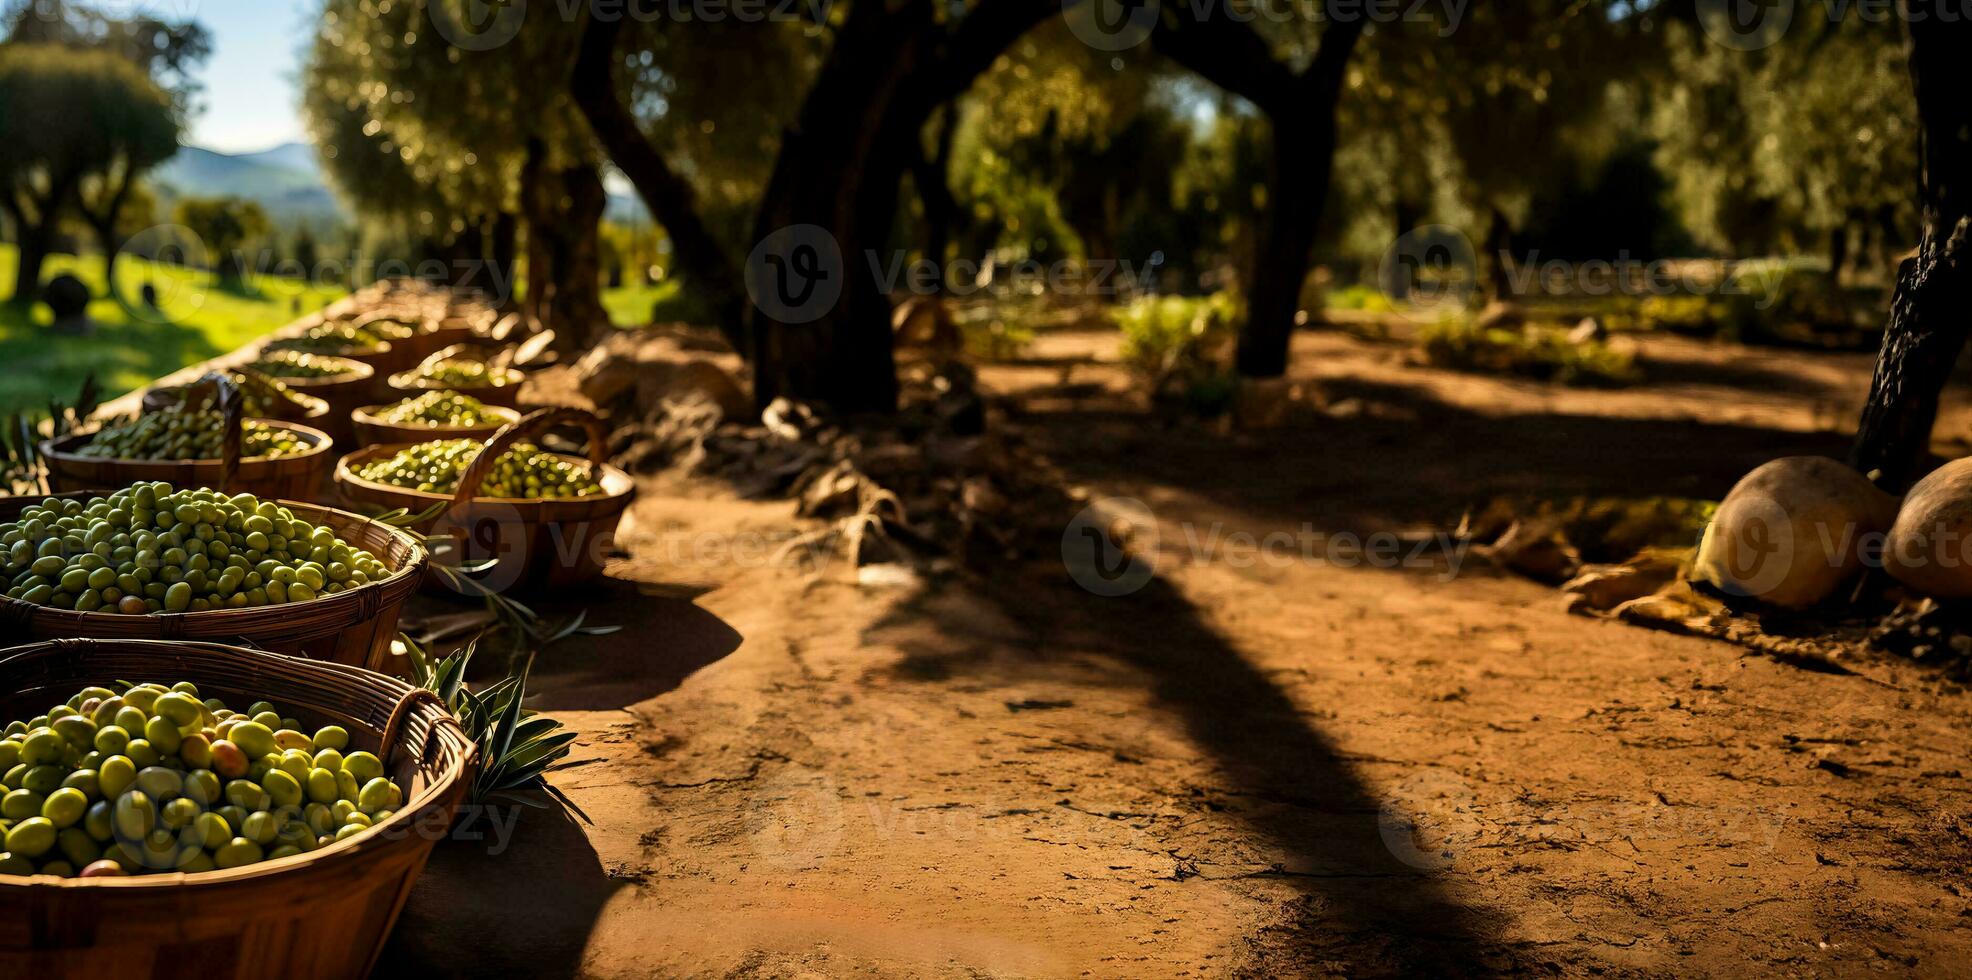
(440, 408)
(182, 432)
(149, 548)
(386, 330)
(464, 372)
(331, 339)
(301, 364)
(523, 471)
(155, 780)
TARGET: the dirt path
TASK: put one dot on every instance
(1282, 767)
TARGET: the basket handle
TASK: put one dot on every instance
(534, 423)
(393, 728)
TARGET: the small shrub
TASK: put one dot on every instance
(996, 338)
(1179, 345)
(1692, 316)
(1543, 352)
(1358, 297)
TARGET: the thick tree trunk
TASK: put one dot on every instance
(1931, 311)
(1297, 185)
(820, 318)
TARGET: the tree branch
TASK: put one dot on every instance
(669, 196)
(1225, 52)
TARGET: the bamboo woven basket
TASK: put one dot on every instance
(344, 392)
(540, 544)
(296, 477)
(372, 431)
(408, 383)
(353, 627)
(322, 915)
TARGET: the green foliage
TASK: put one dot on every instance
(225, 225)
(1682, 313)
(131, 345)
(1358, 297)
(1459, 341)
(1179, 345)
(996, 338)
(517, 747)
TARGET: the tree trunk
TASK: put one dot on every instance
(537, 203)
(931, 175)
(106, 239)
(820, 318)
(506, 232)
(1931, 311)
(1499, 249)
(696, 254)
(27, 275)
(575, 255)
(1297, 184)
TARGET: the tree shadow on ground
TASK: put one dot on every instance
(1361, 904)
(478, 910)
(1414, 459)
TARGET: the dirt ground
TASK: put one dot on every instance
(1283, 763)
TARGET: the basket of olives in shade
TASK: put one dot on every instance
(344, 383)
(266, 398)
(154, 561)
(188, 444)
(432, 415)
(545, 519)
(231, 795)
(476, 371)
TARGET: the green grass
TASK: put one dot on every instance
(200, 319)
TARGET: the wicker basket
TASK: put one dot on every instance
(321, 915)
(306, 409)
(344, 392)
(540, 544)
(408, 384)
(351, 627)
(296, 477)
(372, 431)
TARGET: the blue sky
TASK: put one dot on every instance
(250, 96)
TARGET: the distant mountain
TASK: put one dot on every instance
(286, 180)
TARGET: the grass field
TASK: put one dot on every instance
(199, 319)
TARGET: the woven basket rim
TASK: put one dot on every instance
(58, 448)
(611, 474)
(349, 849)
(358, 371)
(367, 416)
(407, 380)
(282, 343)
(413, 567)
